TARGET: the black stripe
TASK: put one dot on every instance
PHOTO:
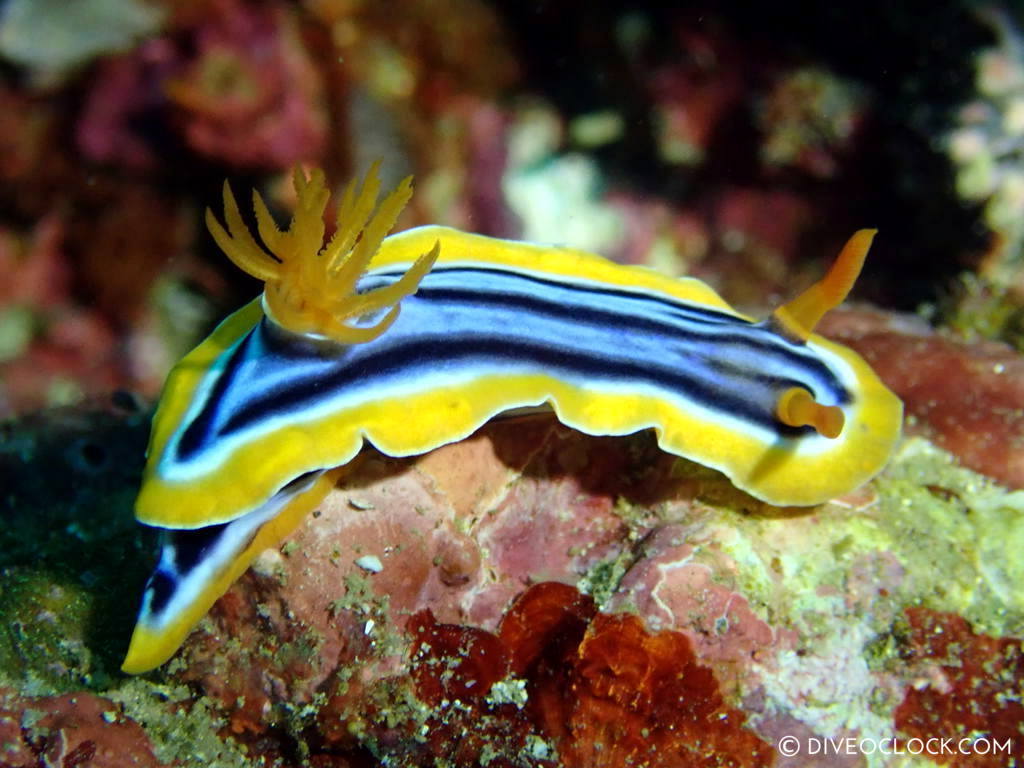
(706, 321)
(691, 311)
(239, 399)
(423, 355)
(191, 546)
(621, 322)
(200, 430)
(160, 588)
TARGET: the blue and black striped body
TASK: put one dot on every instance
(466, 322)
(252, 422)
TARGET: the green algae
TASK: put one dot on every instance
(601, 580)
(840, 577)
(953, 534)
(45, 650)
(43, 647)
(959, 535)
(72, 558)
(183, 729)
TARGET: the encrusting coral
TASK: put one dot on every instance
(562, 684)
(975, 686)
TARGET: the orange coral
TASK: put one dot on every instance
(593, 690)
(602, 690)
(624, 696)
(642, 699)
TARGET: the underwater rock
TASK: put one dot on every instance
(967, 398)
(76, 729)
(407, 611)
(459, 532)
(433, 552)
(968, 684)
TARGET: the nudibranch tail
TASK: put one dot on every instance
(800, 316)
(197, 566)
(311, 288)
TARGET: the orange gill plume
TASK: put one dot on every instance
(311, 288)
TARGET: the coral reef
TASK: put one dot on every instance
(250, 78)
(971, 685)
(987, 148)
(528, 594)
(399, 618)
(72, 730)
(966, 397)
(795, 618)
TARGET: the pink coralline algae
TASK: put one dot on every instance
(125, 92)
(48, 340)
(252, 95)
(72, 731)
(437, 549)
(236, 80)
(967, 398)
(323, 608)
(682, 586)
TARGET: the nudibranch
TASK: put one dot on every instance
(415, 340)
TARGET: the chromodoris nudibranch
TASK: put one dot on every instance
(415, 340)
